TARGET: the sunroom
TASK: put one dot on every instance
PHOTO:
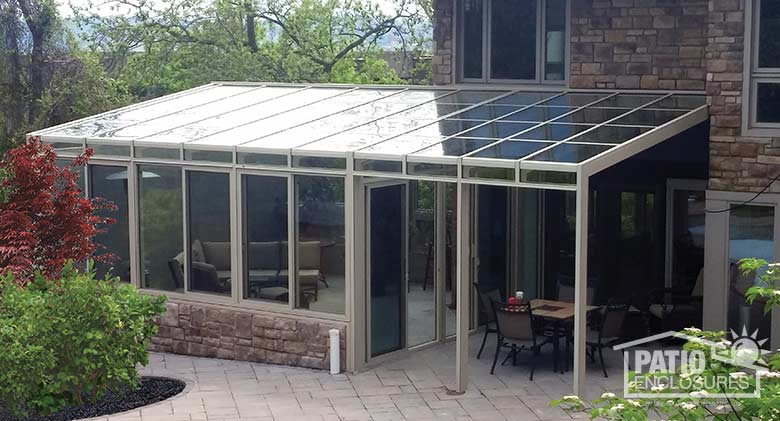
(374, 207)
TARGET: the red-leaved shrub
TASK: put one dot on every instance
(45, 220)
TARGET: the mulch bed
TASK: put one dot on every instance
(151, 390)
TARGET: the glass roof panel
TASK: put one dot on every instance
(469, 97)
(291, 119)
(627, 101)
(202, 112)
(390, 126)
(498, 129)
(343, 142)
(681, 102)
(512, 149)
(454, 147)
(402, 145)
(553, 132)
(120, 118)
(524, 98)
(570, 152)
(444, 128)
(484, 112)
(238, 118)
(646, 117)
(417, 96)
(610, 134)
(538, 114)
(576, 99)
(593, 115)
(277, 137)
(430, 110)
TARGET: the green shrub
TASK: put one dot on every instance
(70, 340)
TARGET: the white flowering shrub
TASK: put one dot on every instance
(700, 403)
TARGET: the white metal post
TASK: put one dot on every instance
(440, 249)
(581, 282)
(463, 276)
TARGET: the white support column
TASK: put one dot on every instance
(440, 249)
(716, 257)
(581, 282)
(463, 289)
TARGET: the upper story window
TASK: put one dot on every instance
(765, 66)
(511, 41)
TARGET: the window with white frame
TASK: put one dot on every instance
(508, 41)
(765, 66)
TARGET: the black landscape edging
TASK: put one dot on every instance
(150, 391)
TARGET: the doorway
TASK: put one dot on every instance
(387, 266)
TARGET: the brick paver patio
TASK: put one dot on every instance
(410, 387)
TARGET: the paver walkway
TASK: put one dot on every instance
(412, 387)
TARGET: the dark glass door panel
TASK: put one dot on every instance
(387, 267)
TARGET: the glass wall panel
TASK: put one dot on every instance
(320, 257)
(110, 150)
(768, 41)
(110, 183)
(768, 103)
(513, 40)
(450, 260)
(555, 43)
(161, 229)
(68, 162)
(472, 38)
(156, 153)
(421, 297)
(265, 238)
(751, 234)
(208, 220)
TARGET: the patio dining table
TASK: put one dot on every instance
(558, 313)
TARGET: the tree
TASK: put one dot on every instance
(162, 45)
(45, 220)
(44, 78)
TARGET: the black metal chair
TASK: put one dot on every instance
(485, 308)
(608, 331)
(516, 330)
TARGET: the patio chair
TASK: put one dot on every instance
(486, 309)
(608, 332)
(516, 331)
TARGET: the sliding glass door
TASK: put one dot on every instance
(386, 232)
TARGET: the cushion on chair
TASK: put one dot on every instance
(217, 253)
(274, 293)
(308, 277)
(264, 256)
(309, 255)
(197, 252)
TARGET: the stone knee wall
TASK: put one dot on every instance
(225, 332)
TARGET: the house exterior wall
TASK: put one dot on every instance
(660, 45)
(238, 334)
(633, 44)
(738, 162)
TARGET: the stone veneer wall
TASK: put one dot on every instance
(441, 66)
(737, 162)
(638, 44)
(224, 332)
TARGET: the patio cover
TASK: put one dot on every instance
(537, 138)
(517, 137)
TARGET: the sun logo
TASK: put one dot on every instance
(747, 349)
